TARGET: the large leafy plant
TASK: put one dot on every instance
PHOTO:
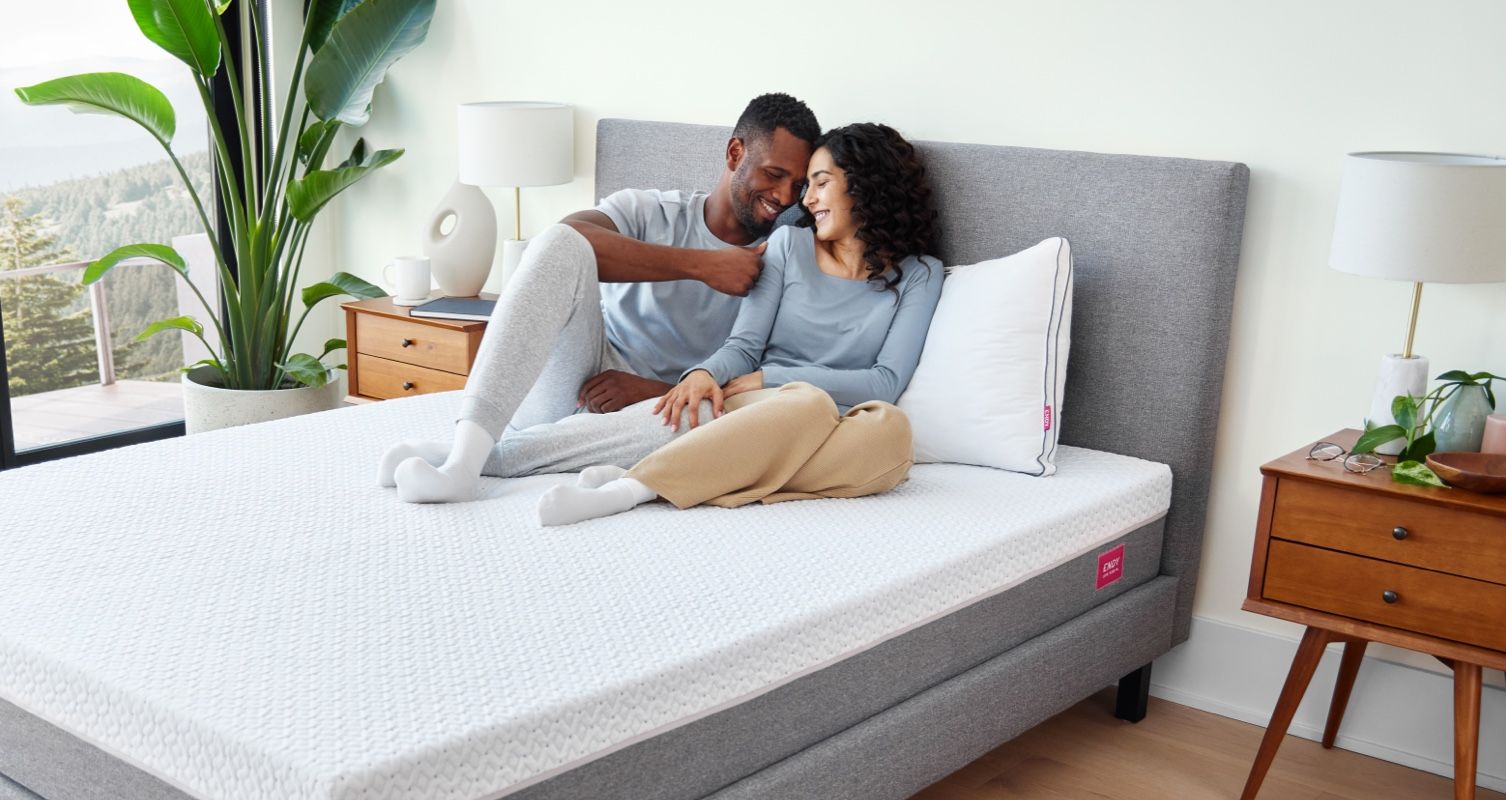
(1414, 425)
(281, 183)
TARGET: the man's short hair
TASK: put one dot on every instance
(776, 110)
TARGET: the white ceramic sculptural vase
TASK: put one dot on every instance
(461, 259)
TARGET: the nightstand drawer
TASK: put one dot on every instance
(413, 343)
(1443, 539)
(1446, 606)
(385, 379)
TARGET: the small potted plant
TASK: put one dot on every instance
(271, 199)
(1444, 417)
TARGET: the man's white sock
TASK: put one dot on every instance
(459, 478)
(433, 452)
(563, 505)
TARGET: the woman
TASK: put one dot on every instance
(838, 319)
(842, 305)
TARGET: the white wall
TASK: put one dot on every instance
(1287, 87)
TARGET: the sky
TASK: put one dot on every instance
(40, 41)
(38, 33)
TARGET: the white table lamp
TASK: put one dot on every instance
(506, 143)
(1423, 218)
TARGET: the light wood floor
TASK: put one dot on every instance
(1176, 753)
(93, 410)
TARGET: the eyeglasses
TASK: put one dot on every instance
(1358, 463)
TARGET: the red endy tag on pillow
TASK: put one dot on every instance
(1110, 566)
(1047, 417)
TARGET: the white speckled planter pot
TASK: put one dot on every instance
(208, 408)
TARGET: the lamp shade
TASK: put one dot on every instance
(516, 143)
(1422, 217)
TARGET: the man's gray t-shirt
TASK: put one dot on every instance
(661, 328)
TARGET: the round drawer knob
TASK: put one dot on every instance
(406, 343)
(1398, 533)
(1390, 596)
(409, 385)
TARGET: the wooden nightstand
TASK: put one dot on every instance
(391, 354)
(1361, 558)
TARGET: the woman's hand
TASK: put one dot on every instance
(690, 391)
(751, 382)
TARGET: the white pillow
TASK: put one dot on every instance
(989, 384)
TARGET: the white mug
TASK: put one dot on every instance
(411, 279)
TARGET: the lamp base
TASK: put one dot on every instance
(1398, 375)
(512, 255)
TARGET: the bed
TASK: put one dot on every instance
(239, 614)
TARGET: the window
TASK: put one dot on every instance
(72, 188)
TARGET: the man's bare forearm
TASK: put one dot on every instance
(622, 258)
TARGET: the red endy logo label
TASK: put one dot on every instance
(1110, 566)
(1047, 417)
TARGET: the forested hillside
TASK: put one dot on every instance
(79, 220)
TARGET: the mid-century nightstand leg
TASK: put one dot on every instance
(1354, 653)
(1304, 664)
(1466, 728)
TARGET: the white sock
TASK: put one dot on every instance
(433, 452)
(597, 476)
(457, 479)
(565, 504)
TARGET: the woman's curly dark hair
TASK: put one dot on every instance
(891, 199)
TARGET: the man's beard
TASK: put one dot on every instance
(743, 209)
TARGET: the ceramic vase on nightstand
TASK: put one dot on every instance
(461, 257)
(1459, 424)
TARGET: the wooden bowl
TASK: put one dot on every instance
(1478, 472)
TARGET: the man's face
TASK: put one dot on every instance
(767, 179)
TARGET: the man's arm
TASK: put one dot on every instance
(619, 258)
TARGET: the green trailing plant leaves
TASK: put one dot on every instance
(331, 346)
(1372, 439)
(1455, 376)
(306, 369)
(1416, 473)
(184, 28)
(108, 93)
(175, 324)
(1404, 411)
(321, 17)
(156, 252)
(1419, 448)
(341, 283)
(361, 46)
(308, 194)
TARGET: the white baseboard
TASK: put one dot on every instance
(1397, 712)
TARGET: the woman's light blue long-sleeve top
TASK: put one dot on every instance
(857, 341)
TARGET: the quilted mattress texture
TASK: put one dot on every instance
(244, 614)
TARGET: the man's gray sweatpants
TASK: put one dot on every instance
(545, 338)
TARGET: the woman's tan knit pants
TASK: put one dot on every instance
(790, 445)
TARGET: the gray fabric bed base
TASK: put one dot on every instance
(897, 753)
(758, 737)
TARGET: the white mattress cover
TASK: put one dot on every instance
(244, 614)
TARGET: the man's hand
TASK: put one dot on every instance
(732, 270)
(695, 387)
(615, 390)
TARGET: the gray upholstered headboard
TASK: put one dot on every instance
(1155, 243)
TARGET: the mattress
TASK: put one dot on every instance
(241, 614)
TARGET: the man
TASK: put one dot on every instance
(611, 307)
(681, 301)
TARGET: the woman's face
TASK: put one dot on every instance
(827, 200)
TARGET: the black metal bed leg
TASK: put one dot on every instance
(1134, 695)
